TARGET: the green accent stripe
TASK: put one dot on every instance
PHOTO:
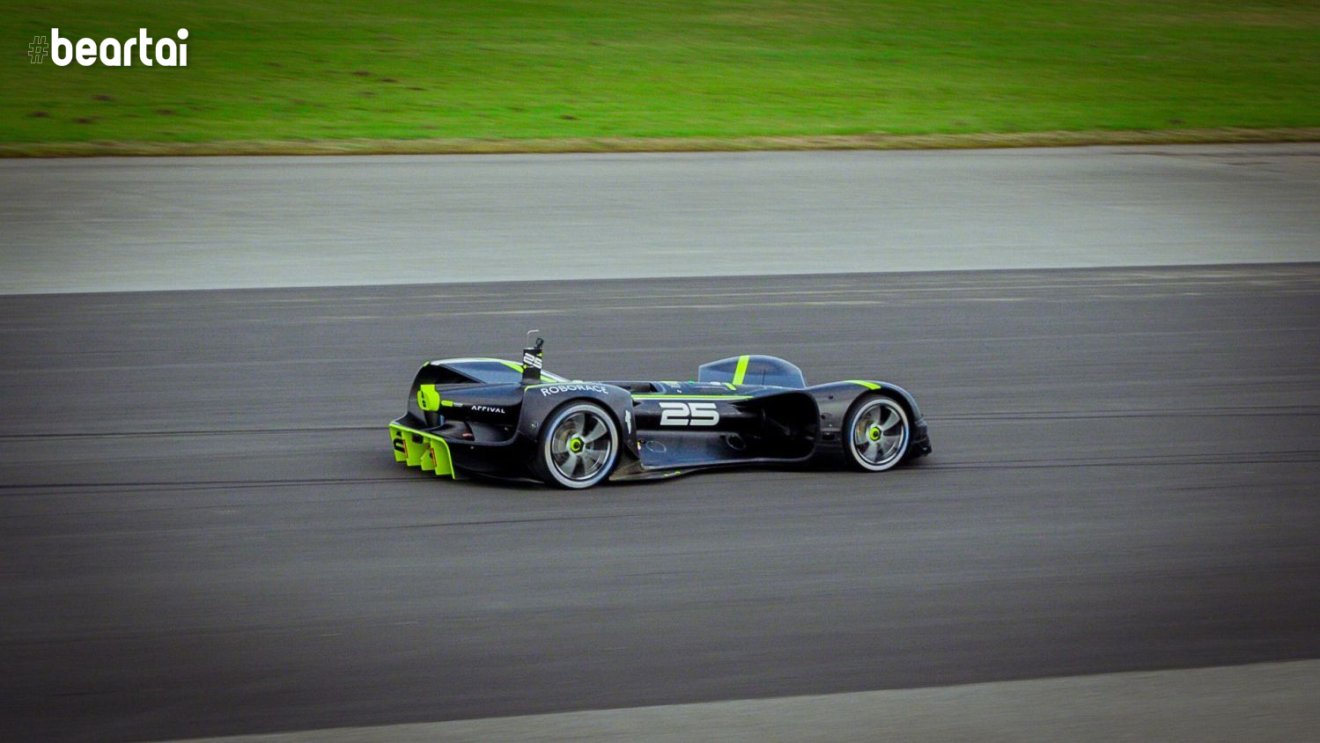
(741, 370)
(864, 383)
(519, 368)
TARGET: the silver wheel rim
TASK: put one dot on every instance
(879, 434)
(581, 446)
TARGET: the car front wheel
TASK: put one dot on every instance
(578, 447)
(877, 434)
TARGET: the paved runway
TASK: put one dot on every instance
(202, 531)
(198, 223)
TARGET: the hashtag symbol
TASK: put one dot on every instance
(38, 49)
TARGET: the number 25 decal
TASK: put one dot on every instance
(688, 414)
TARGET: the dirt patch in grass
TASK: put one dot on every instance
(622, 144)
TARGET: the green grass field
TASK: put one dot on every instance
(576, 71)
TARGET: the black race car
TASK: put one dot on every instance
(503, 419)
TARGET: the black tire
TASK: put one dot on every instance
(876, 434)
(578, 446)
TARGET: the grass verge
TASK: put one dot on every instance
(584, 75)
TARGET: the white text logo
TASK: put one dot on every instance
(112, 52)
(555, 389)
(688, 414)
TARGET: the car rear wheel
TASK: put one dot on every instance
(578, 447)
(877, 434)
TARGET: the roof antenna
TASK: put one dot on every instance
(531, 360)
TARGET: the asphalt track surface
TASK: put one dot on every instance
(202, 531)
(132, 224)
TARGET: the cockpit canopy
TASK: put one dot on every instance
(766, 370)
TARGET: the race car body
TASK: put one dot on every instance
(498, 418)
